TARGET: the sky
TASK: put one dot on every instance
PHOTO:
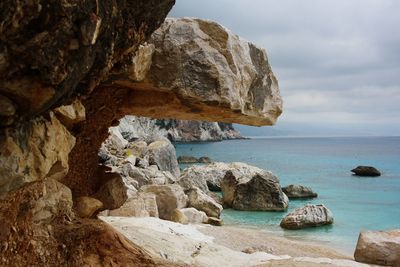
(337, 62)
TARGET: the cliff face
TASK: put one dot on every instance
(87, 56)
(132, 127)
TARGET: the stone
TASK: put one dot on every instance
(55, 199)
(179, 217)
(225, 77)
(201, 201)
(141, 62)
(162, 153)
(72, 114)
(86, 207)
(366, 171)
(168, 197)
(214, 221)
(113, 193)
(145, 176)
(187, 159)
(308, 216)
(141, 205)
(194, 216)
(33, 152)
(136, 148)
(115, 140)
(250, 188)
(379, 247)
(204, 160)
(298, 191)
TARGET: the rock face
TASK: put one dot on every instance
(366, 171)
(133, 127)
(168, 197)
(308, 216)
(298, 191)
(162, 153)
(201, 201)
(253, 189)
(379, 247)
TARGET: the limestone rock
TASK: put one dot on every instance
(178, 217)
(379, 247)
(168, 197)
(299, 191)
(201, 201)
(214, 221)
(55, 199)
(366, 171)
(141, 205)
(113, 194)
(141, 62)
(146, 176)
(194, 216)
(225, 77)
(162, 153)
(71, 114)
(85, 207)
(33, 152)
(250, 188)
(308, 216)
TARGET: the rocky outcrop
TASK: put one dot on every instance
(298, 191)
(366, 171)
(133, 127)
(379, 247)
(191, 159)
(253, 189)
(201, 201)
(168, 198)
(308, 216)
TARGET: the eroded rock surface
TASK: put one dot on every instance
(308, 216)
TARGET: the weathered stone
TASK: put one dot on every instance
(168, 197)
(33, 152)
(308, 216)
(162, 153)
(72, 114)
(194, 216)
(145, 176)
(379, 247)
(299, 191)
(141, 62)
(113, 194)
(201, 201)
(250, 188)
(178, 216)
(137, 148)
(366, 171)
(214, 221)
(85, 207)
(187, 159)
(141, 205)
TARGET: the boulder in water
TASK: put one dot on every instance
(366, 171)
(299, 191)
(308, 216)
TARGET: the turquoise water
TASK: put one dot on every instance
(324, 164)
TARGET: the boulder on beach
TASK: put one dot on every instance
(298, 191)
(308, 216)
(366, 171)
(253, 189)
(379, 247)
(162, 153)
(201, 201)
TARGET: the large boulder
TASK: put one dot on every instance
(366, 171)
(168, 198)
(251, 188)
(113, 193)
(201, 201)
(308, 216)
(86, 207)
(141, 205)
(379, 247)
(162, 153)
(189, 215)
(298, 191)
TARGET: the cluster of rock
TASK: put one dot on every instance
(135, 127)
(191, 160)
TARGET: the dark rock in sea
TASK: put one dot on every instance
(299, 191)
(366, 171)
(204, 160)
(308, 216)
(187, 159)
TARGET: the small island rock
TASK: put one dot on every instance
(308, 216)
(298, 191)
(366, 171)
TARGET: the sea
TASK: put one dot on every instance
(324, 164)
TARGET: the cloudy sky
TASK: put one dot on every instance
(337, 61)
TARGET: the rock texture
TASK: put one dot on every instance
(256, 190)
(140, 205)
(379, 247)
(299, 191)
(366, 171)
(85, 207)
(133, 127)
(162, 153)
(201, 201)
(308, 216)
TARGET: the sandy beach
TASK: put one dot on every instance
(206, 245)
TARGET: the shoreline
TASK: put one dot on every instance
(207, 245)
